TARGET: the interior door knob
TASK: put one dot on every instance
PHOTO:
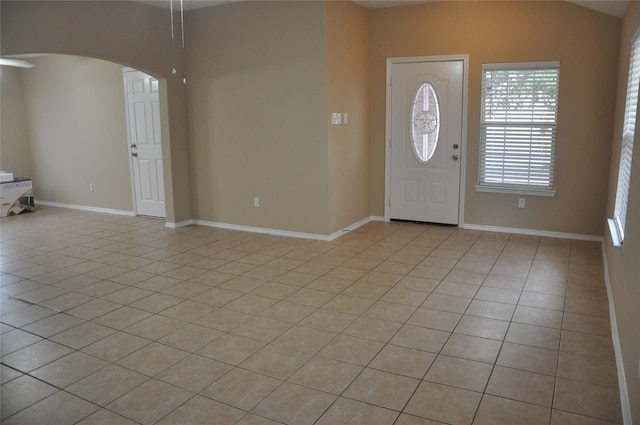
(455, 157)
(134, 154)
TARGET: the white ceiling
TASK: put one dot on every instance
(186, 4)
(610, 7)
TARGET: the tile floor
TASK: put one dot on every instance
(117, 320)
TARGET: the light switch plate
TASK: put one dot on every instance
(336, 118)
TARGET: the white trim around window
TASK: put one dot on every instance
(617, 223)
(519, 115)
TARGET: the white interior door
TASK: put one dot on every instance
(426, 141)
(145, 143)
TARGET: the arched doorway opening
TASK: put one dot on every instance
(65, 125)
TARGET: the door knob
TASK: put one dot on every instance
(134, 154)
(455, 157)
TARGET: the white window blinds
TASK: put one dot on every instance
(518, 125)
(628, 134)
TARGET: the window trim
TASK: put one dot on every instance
(515, 190)
(627, 136)
(507, 188)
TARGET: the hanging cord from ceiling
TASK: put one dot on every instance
(182, 20)
(173, 49)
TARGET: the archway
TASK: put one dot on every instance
(76, 132)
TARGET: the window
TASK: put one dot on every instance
(425, 122)
(519, 114)
(628, 134)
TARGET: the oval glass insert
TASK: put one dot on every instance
(425, 122)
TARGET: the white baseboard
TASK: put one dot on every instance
(350, 228)
(171, 225)
(531, 232)
(275, 232)
(86, 208)
(622, 379)
(261, 230)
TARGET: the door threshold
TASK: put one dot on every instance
(399, 220)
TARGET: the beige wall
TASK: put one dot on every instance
(586, 44)
(128, 33)
(623, 263)
(75, 114)
(348, 46)
(264, 76)
(257, 115)
(15, 155)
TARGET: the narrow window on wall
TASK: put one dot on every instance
(628, 133)
(519, 115)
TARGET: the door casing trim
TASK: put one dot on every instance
(387, 136)
(125, 70)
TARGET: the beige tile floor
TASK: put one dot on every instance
(117, 320)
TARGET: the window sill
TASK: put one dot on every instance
(616, 240)
(516, 190)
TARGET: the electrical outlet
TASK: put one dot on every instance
(256, 202)
(521, 203)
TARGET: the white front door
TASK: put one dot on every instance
(145, 145)
(426, 104)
